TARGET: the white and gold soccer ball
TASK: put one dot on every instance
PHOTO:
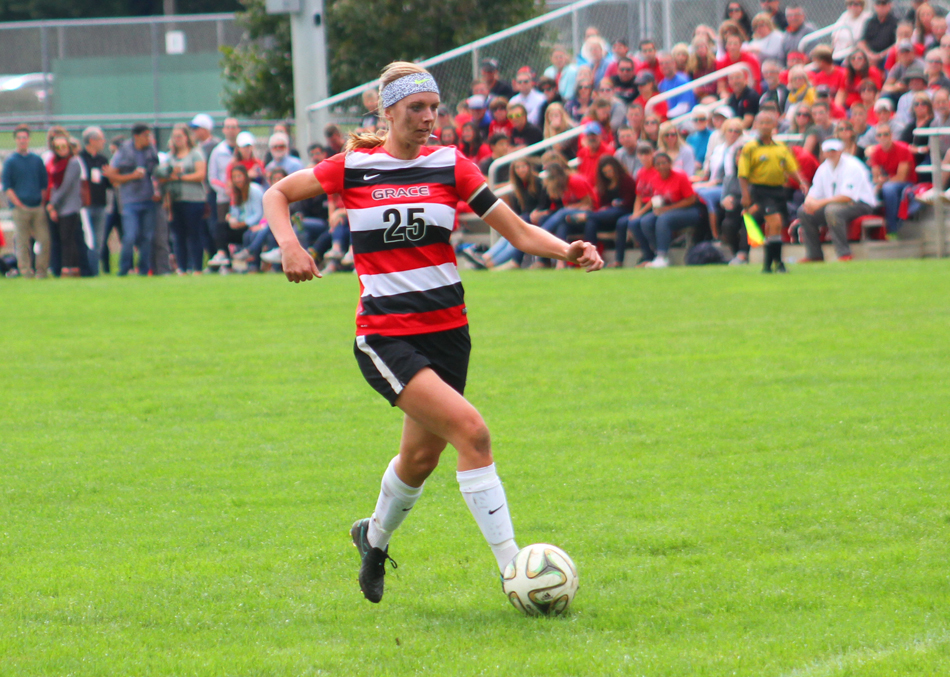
(541, 580)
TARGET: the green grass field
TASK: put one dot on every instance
(750, 472)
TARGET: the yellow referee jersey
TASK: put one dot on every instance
(766, 164)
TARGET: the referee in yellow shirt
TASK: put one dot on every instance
(764, 167)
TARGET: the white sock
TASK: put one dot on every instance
(485, 498)
(396, 499)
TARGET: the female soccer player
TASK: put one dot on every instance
(412, 340)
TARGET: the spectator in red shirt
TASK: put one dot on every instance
(591, 150)
(674, 208)
(827, 73)
(500, 124)
(648, 61)
(892, 168)
(647, 84)
(643, 202)
(858, 68)
(570, 194)
(734, 55)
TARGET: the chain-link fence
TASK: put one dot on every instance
(530, 44)
(100, 70)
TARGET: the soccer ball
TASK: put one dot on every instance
(541, 580)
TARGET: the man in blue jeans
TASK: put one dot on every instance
(94, 141)
(133, 167)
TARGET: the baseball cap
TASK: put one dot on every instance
(245, 139)
(905, 46)
(832, 144)
(593, 128)
(822, 90)
(914, 72)
(644, 77)
(477, 102)
(725, 111)
(882, 103)
(489, 64)
(202, 120)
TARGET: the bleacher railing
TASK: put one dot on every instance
(936, 169)
(715, 76)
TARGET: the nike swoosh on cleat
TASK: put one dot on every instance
(492, 512)
(367, 177)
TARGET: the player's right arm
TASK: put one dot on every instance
(298, 265)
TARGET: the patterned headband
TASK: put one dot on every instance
(406, 85)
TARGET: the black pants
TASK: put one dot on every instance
(769, 200)
(225, 235)
(70, 226)
(732, 231)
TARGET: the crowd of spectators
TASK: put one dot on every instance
(640, 169)
(885, 76)
(192, 208)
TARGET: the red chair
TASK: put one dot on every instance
(870, 227)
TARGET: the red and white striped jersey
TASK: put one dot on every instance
(401, 215)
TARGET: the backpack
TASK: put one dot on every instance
(704, 253)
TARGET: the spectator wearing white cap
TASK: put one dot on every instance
(841, 191)
(218, 175)
(719, 117)
(202, 126)
(279, 145)
(244, 155)
(884, 109)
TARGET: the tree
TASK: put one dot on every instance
(363, 36)
(258, 73)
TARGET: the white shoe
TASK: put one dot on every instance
(738, 260)
(659, 262)
(272, 256)
(927, 197)
(242, 255)
(218, 260)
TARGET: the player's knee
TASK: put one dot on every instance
(422, 461)
(475, 435)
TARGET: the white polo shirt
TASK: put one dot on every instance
(850, 178)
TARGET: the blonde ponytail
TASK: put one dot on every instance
(391, 73)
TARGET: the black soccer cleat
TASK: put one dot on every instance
(373, 567)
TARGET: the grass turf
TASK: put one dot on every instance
(750, 473)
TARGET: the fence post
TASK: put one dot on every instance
(476, 71)
(575, 34)
(936, 161)
(631, 36)
(667, 25)
(156, 85)
(44, 46)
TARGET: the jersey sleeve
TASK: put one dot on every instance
(468, 176)
(330, 173)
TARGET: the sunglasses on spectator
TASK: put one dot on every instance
(652, 122)
(515, 116)
(670, 134)
(279, 146)
(624, 69)
(606, 89)
(585, 87)
(700, 119)
(523, 82)
(802, 114)
(881, 135)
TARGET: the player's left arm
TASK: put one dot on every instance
(531, 239)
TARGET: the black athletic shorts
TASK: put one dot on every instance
(388, 363)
